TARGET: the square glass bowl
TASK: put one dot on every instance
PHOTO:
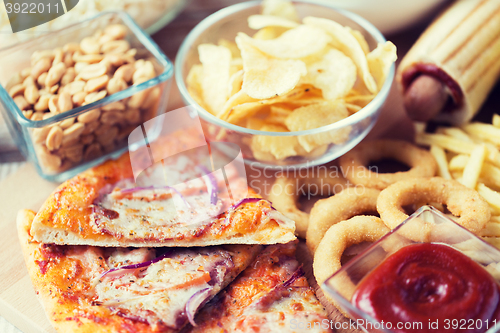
(438, 228)
(226, 23)
(120, 112)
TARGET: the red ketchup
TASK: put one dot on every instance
(431, 284)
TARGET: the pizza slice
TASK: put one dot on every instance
(106, 206)
(95, 289)
(271, 295)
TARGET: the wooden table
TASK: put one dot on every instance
(392, 123)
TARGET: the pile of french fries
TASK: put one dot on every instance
(470, 154)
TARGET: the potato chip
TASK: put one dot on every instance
(343, 40)
(316, 152)
(352, 108)
(295, 43)
(281, 8)
(265, 76)
(235, 82)
(315, 116)
(359, 100)
(279, 147)
(235, 51)
(243, 110)
(268, 33)
(262, 21)
(216, 61)
(193, 81)
(239, 98)
(380, 61)
(280, 111)
(255, 123)
(335, 74)
(361, 39)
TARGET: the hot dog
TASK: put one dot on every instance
(453, 66)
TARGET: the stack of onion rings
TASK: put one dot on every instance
(285, 195)
(472, 209)
(354, 163)
(342, 206)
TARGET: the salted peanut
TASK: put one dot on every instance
(68, 59)
(39, 135)
(79, 98)
(79, 66)
(103, 39)
(58, 56)
(87, 139)
(125, 72)
(25, 72)
(73, 132)
(114, 59)
(53, 104)
(132, 116)
(64, 102)
(115, 106)
(116, 46)
(37, 55)
(14, 80)
(91, 127)
(131, 53)
(37, 116)
(74, 153)
(97, 83)
(105, 134)
(27, 114)
(88, 58)
(29, 81)
(53, 89)
(89, 45)
(116, 31)
(21, 103)
(43, 102)
(111, 117)
(95, 96)
(48, 115)
(92, 71)
(31, 94)
(42, 66)
(153, 97)
(71, 47)
(47, 160)
(139, 63)
(66, 123)
(115, 85)
(41, 79)
(92, 151)
(144, 72)
(89, 116)
(17, 89)
(54, 138)
(68, 77)
(138, 99)
(75, 87)
(55, 74)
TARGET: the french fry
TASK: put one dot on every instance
(458, 162)
(440, 157)
(496, 120)
(485, 132)
(456, 133)
(492, 197)
(445, 142)
(492, 229)
(473, 168)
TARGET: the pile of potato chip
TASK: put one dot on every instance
(289, 77)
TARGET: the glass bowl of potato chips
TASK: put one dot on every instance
(293, 84)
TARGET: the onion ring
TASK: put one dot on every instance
(285, 194)
(353, 164)
(337, 239)
(473, 211)
(342, 206)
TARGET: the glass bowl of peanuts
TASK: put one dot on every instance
(294, 84)
(72, 97)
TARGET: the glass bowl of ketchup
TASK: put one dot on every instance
(445, 279)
